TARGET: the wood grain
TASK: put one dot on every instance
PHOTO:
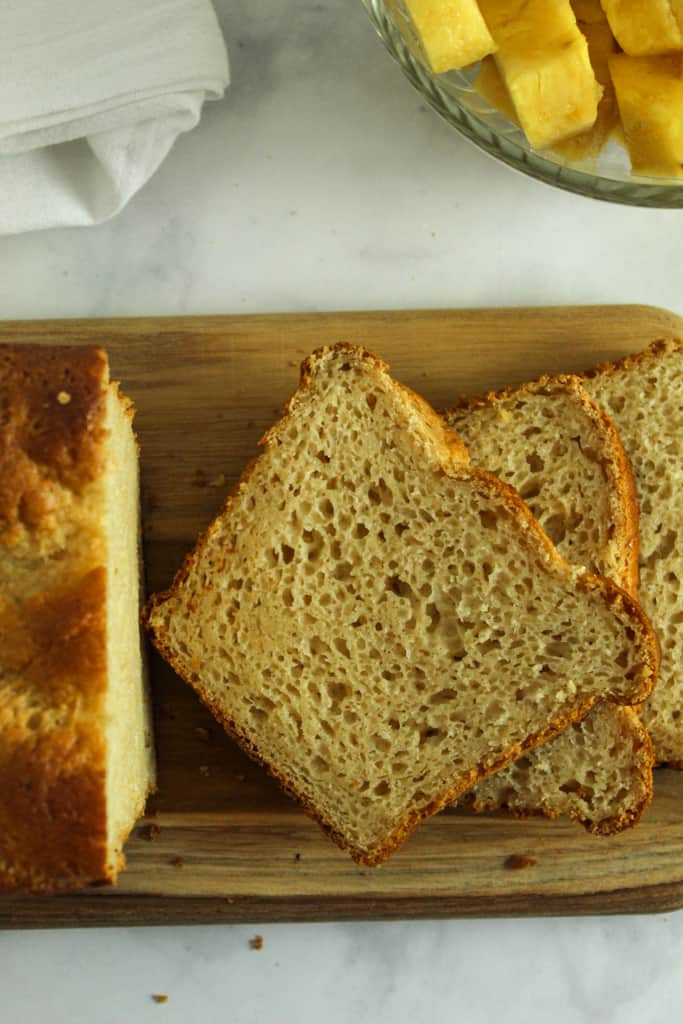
(220, 842)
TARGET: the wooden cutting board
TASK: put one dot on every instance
(220, 842)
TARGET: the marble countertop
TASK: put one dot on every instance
(323, 182)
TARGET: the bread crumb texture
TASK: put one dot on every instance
(563, 455)
(557, 448)
(381, 625)
(643, 394)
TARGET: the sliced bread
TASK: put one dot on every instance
(563, 455)
(643, 394)
(76, 754)
(381, 625)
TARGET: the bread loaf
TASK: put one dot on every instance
(381, 625)
(76, 755)
(561, 452)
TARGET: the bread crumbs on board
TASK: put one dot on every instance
(516, 862)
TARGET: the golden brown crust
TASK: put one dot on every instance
(658, 347)
(53, 832)
(51, 429)
(52, 759)
(450, 451)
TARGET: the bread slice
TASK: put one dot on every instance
(381, 625)
(643, 394)
(76, 755)
(561, 452)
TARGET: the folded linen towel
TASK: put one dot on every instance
(93, 94)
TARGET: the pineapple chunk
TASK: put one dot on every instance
(650, 97)
(452, 32)
(601, 46)
(544, 61)
(491, 86)
(645, 27)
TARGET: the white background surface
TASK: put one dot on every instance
(322, 182)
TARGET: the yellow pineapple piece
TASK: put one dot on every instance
(601, 46)
(453, 33)
(543, 58)
(491, 86)
(650, 96)
(645, 27)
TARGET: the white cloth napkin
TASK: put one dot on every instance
(93, 94)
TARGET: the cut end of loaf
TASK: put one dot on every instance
(380, 625)
(130, 769)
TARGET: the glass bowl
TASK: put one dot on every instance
(453, 96)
